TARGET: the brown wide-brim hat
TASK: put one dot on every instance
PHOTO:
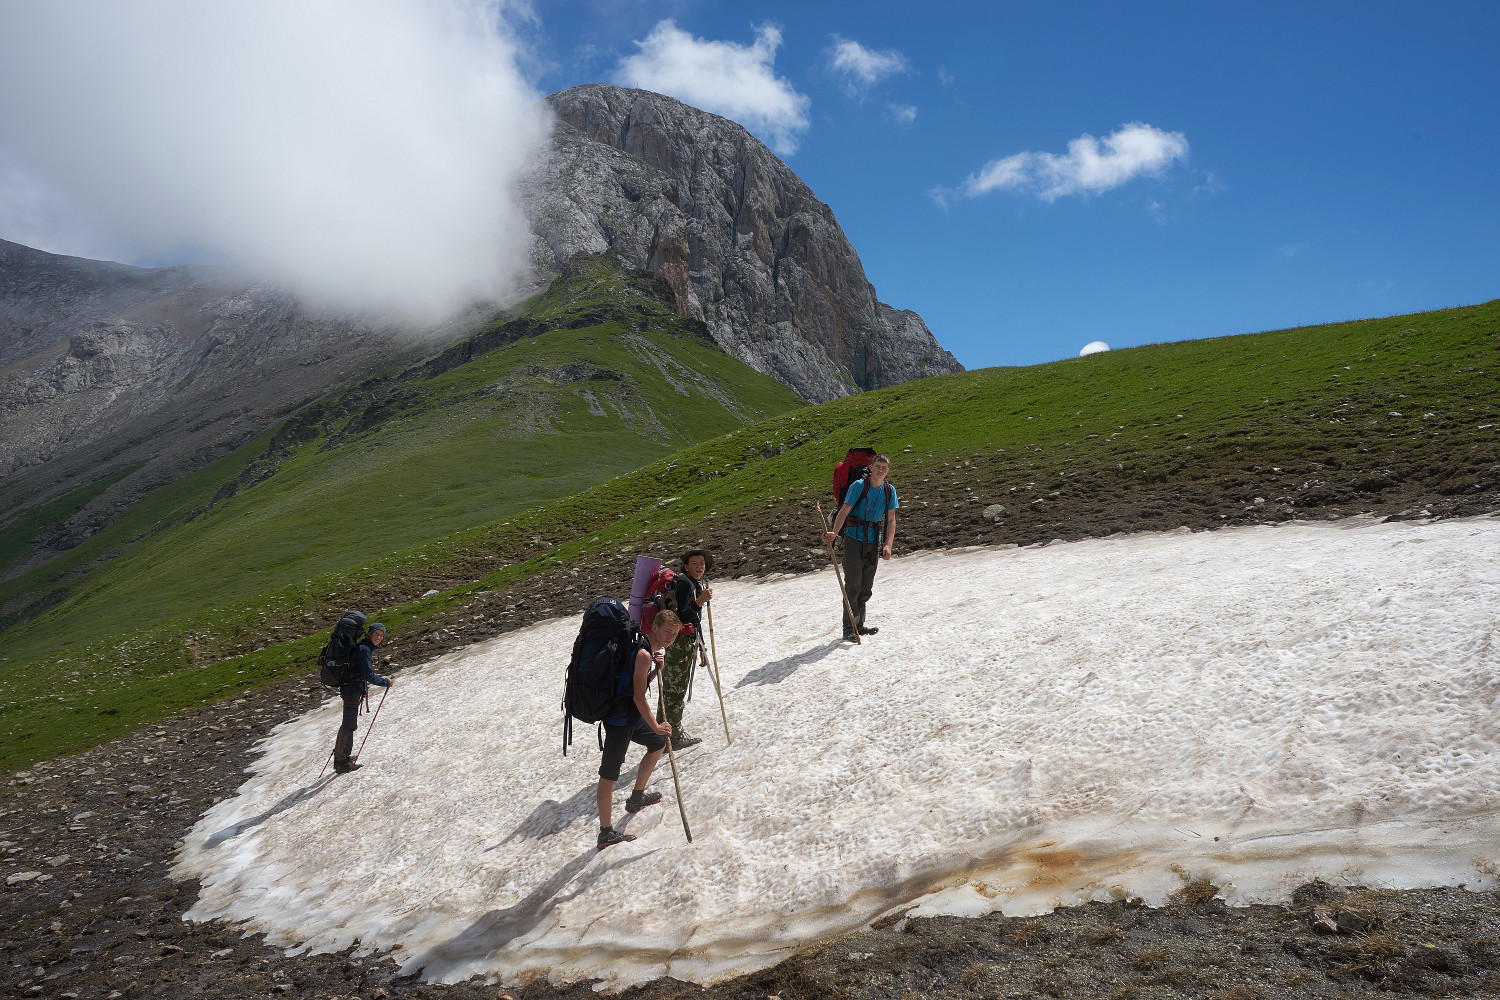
(708, 560)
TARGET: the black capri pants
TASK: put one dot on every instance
(617, 740)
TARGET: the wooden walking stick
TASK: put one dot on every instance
(709, 607)
(823, 523)
(672, 758)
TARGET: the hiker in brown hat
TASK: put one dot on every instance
(689, 595)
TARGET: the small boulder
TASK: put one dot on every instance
(993, 512)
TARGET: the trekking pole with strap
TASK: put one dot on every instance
(838, 575)
(672, 758)
(718, 688)
(371, 726)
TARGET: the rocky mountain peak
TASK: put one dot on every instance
(744, 244)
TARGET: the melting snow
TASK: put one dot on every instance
(1030, 727)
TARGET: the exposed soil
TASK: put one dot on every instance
(87, 908)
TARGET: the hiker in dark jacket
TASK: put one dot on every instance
(867, 519)
(635, 724)
(361, 675)
(690, 595)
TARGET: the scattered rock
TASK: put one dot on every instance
(20, 877)
(993, 511)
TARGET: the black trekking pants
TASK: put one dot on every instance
(861, 560)
(352, 694)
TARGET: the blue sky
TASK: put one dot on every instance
(1340, 159)
(1029, 177)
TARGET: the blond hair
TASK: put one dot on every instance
(881, 458)
(666, 617)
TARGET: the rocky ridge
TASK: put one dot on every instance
(743, 243)
(103, 365)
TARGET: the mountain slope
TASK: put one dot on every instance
(744, 244)
(1395, 416)
(589, 380)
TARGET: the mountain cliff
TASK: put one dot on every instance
(743, 243)
(160, 371)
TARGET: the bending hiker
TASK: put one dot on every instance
(867, 520)
(691, 595)
(360, 675)
(635, 724)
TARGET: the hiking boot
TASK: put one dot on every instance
(868, 629)
(345, 766)
(683, 742)
(609, 835)
(639, 800)
(850, 637)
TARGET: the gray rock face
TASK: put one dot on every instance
(744, 244)
(102, 365)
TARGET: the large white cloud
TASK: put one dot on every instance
(864, 67)
(736, 81)
(1090, 165)
(362, 151)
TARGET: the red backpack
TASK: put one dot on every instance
(855, 466)
(661, 594)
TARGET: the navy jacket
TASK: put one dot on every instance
(360, 659)
(686, 590)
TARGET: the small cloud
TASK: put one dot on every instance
(862, 67)
(1090, 166)
(944, 77)
(1211, 186)
(729, 79)
(1093, 347)
(904, 113)
(1292, 249)
(1157, 211)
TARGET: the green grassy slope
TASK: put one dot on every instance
(1335, 418)
(588, 380)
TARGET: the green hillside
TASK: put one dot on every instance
(1319, 421)
(590, 379)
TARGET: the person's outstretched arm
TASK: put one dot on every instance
(643, 672)
(838, 524)
(363, 655)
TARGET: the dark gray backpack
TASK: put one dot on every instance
(334, 666)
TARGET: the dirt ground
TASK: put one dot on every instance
(87, 908)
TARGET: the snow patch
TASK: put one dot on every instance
(1031, 727)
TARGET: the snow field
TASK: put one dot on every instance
(1031, 727)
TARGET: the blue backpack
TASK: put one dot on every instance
(602, 667)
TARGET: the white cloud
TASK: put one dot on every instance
(1093, 347)
(736, 81)
(362, 152)
(862, 67)
(904, 113)
(1211, 186)
(1090, 165)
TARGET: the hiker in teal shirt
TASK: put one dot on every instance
(867, 520)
